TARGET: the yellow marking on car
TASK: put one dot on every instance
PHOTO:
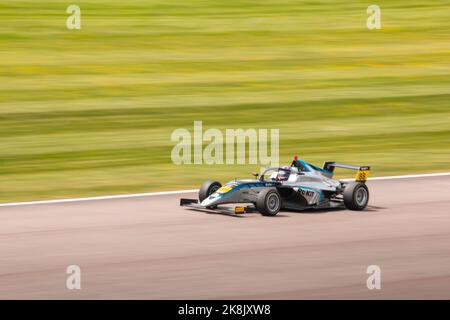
(239, 210)
(362, 175)
(224, 189)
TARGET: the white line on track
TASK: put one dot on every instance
(163, 193)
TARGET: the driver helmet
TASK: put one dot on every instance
(283, 173)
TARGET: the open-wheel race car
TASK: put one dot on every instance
(299, 186)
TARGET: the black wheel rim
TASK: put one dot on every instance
(273, 202)
(361, 197)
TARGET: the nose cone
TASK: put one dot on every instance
(211, 200)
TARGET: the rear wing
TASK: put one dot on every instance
(361, 175)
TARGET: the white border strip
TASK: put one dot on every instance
(164, 193)
(119, 196)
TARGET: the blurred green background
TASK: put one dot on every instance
(91, 111)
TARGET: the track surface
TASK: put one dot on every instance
(149, 248)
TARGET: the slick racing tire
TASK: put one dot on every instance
(356, 196)
(207, 189)
(268, 202)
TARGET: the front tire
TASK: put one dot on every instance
(356, 196)
(207, 189)
(268, 202)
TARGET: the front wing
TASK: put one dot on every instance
(194, 205)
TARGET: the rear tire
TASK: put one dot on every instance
(268, 202)
(207, 189)
(356, 196)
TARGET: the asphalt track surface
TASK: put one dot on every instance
(150, 248)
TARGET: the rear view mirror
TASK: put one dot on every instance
(255, 174)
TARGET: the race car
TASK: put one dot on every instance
(299, 186)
